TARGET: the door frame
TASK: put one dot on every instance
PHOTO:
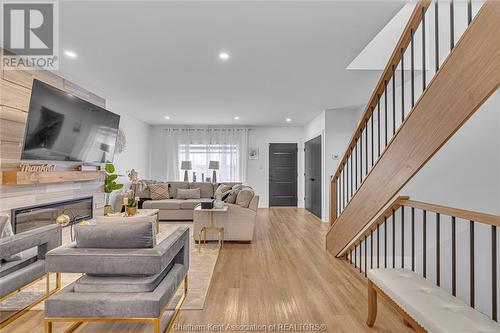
(321, 172)
(268, 170)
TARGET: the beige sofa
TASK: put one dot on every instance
(174, 209)
(238, 222)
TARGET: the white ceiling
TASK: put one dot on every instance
(288, 58)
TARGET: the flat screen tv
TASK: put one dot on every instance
(63, 127)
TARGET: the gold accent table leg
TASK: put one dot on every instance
(199, 239)
(157, 325)
(48, 326)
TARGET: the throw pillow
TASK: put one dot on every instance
(244, 197)
(231, 198)
(192, 193)
(223, 190)
(159, 191)
(6, 231)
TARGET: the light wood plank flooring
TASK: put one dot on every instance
(284, 277)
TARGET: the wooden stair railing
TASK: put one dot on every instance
(365, 182)
(389, 241)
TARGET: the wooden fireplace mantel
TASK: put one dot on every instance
(29, 178)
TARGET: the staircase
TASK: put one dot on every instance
(444, 66)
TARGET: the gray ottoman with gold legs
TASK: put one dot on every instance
(121, 284)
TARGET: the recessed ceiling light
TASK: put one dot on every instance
(70, 54)
(167, 117)
(236, 118)
(288, 120)
(224, 56)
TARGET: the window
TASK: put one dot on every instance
(200, 155)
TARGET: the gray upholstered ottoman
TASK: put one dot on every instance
(120, 284)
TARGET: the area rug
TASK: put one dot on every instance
(201, 267)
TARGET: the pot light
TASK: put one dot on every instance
(224, 56)
(70, 54)
(288, 120)
(236, 118)
(167, 117)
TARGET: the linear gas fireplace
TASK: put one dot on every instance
(27, 218)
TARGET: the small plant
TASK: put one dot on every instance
(110, 183)
(132, 202)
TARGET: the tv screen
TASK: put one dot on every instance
(63, 127)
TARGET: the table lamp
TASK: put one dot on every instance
(186, 165)
(214, 165)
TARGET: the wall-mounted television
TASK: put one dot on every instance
(63, 127)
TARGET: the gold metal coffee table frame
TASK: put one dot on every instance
(211, 226)
(48, 292)
(155, 321)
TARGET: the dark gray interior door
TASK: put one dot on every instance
(312, 152)
(282, 174)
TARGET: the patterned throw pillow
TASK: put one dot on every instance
(223, 190)
(231, 198)
(159, 191)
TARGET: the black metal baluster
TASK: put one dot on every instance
(361, 158)
(371, 249)
(438, 250)
(402, 236)
(452, 25)
(413, 239)
(385, 241)
(365, 256)
(371, 119)
(423, 49)
(412, 65)
(494, 280)
(343, 188)
(436, 36)
(453, 257)
(355, 256)
(356, 165)
(385, 107)
(471, 264)
(378, 246)
(378, 125)
(393, 239)
(402, 85)
(393, 100)
(366, 147)
(424, 216)
(352, 193)
(360, 256)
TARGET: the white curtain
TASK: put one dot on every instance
(202, 145)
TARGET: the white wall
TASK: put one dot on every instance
(258, 170)
(136, 153)
(339, 128)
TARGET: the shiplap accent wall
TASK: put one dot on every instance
(15, 92)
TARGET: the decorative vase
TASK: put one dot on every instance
(107, 210)
(218, 203)
(131, 211)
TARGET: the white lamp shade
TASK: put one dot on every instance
(213, 165)
(186, 165)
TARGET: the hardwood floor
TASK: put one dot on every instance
(284, 277)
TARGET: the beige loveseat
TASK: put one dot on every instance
(238, 222)
(175, 209)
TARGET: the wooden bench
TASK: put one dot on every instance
(423, 305)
